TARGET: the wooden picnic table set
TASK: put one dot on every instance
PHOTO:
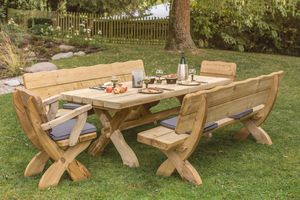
(208, 102)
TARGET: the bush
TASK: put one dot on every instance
(258, 25)
(11, 57)
(16, 33)
(39, 21)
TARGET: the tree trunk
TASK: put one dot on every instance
(179, 37)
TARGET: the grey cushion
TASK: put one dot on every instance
(71, 106)
(240, 115)
(63, 131)
(171, 123)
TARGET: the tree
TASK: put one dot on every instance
(179, 37)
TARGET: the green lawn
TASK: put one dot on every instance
(229, 169)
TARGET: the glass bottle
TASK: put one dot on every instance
(182, 70)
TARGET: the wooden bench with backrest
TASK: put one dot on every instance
(48, 84)
(58, 139)
(218, 69)
(249, 101)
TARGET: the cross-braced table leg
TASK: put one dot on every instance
(111, 131)
(63, 161)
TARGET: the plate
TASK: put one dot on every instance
(150, 91)
(189, 83)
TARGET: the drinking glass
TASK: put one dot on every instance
(159, 73)
(147, 81)
(114, 80)
(192, 72)
(137, 78)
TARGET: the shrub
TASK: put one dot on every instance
(11, 57)
(258, 25)
(39, 21)
(16, 33)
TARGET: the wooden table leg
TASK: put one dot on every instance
(127, 154)
(111, 131)
(99, 145)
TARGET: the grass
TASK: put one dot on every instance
(229, 169)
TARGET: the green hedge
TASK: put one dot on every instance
(39, 22)
(271, 26)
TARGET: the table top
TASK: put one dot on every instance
(107, 101)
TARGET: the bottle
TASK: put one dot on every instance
(182, 70)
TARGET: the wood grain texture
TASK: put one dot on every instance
(216, 105)
(34, 113)
(218, 69)
(46, 84)
(131, 98)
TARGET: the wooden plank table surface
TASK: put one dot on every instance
(123, 111)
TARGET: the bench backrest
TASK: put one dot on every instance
(220, 102)
(21, 98)
(46, 84)
(218, 69)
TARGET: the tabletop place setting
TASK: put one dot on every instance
(153, 84)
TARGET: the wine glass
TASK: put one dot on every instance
(114, 80)
(147, 81)
(192, 72)
(159, 73)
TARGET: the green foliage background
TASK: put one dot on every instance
(248, 25)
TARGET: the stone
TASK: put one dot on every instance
(66, 48)
(62, 55)
(40, 67)
(12, 83)
(5, 89)
(79, 53)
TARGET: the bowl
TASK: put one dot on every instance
(152, 80)
(171, 80)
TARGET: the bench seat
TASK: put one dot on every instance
(171, 123)
(162, 138)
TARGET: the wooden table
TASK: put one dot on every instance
(123, 111)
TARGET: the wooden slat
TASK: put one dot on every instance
(162, 138)
(132, 97)
(218, 69)
(46, 84)
(82, 138)
(236, 106)
(240, 90)
(64, 76)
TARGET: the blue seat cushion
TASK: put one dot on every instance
(240, 115)
(171, 123)
(63, 131)
(71, 106)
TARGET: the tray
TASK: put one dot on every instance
(189, 83)
(150, 90)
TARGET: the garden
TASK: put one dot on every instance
(258, 39)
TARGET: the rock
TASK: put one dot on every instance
(66, 48)
(12, 83)
(39, 67)
(62, 55)
(79, 53)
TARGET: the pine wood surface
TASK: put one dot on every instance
(216, 105)
(218, 69)
(131, 98)
(32, 113)
(47, 84)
